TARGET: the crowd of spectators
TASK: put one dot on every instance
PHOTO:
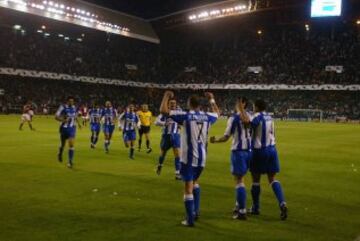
(52, 93)
(288, 55)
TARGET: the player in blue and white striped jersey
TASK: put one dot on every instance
(67, 115)
(94, 115)
(129, 122)
(109, 115)
(170, 138)
(196, 124)
(240, 155)
(265, 158)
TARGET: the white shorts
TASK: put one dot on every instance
(25, 117)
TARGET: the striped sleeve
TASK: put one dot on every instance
(160, 120)
(178, 116)
(230, 127)
(255, 120)
(212, 117)
(59, 112)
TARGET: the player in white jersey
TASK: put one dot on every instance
(240, 156)
(265, 158)
(94, 115)
(128, 123)
(196, 124)
(170, 138)
(67, 115)
(108, 115)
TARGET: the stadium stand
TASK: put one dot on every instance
(53, 92)
(293, 54)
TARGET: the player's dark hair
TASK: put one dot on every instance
(260, 105)
(70, 98)
(245, 100)
(194, 101)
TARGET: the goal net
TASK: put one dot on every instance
(305, 115)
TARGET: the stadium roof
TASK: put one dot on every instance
(87, 15)
(149, 9)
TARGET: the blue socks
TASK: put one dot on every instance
(177, 164)
(278, 192)
(71, 154)
(189, 208)
(255, 193)
(131, 152)
(196, 193)
(94, 138)
(61, 149)
(241, 197)
(161, 160)
(106, 145)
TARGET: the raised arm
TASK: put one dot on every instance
(243, 115)
(160, 121)
(164, 108)
(213, 105)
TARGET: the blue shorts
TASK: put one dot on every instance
(170, 141)
(129, 135)
(190, 173)
(67, 132)
(265, 160)
(95, 127)
(108, 129)
(240, 161)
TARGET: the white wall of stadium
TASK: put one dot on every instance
(117, 82)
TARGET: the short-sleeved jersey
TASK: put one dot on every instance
(129, 121)
(84, 111)
(69, 113)
(27, 109)
(109, 115)
(263, 130)
(194, 136)
(169, 126)
(95, 115)
(145, 117)
(241, 134)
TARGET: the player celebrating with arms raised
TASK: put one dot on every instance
(67, 114)
(196, 124)
(240, 155)
(145, 119)
(108, 115)
(170, 139)
(128, 122)
(95, 116)
(265, 158)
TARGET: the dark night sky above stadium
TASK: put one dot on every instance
(150, 8)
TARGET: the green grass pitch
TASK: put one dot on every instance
(42, 200)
